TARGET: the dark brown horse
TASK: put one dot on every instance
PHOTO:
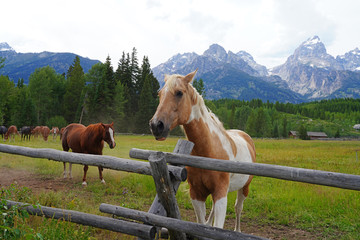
(88, 140)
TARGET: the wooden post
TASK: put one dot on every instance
(183, 147)
(165, 190)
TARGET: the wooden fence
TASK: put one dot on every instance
(164, 211)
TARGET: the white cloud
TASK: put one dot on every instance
(270, 30)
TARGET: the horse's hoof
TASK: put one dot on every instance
(103, 181)
(84, 184)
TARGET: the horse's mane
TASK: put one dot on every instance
(97, 127)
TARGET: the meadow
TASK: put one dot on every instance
(275, 208)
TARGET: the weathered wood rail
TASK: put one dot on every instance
(167, 180)
(114, 163)
(332, 179)
(116, 225)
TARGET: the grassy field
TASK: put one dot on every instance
(323, 212)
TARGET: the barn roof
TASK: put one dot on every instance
(311, 134)
(316, 134)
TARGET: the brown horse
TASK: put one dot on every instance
(88, 140)
(11, 132)
(45, 131)
(36, 131)
(181, 104)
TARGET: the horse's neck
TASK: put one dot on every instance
(95, 135)
(208, 135)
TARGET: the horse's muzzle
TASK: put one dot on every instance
(112, 145)
(159, 130)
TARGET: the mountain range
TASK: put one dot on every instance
(310, 73)
(21, 65)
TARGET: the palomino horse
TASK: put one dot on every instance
(11, 132)
(181, 104)
(54, 131)
(3, 130)
(88, 140)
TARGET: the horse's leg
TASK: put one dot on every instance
(200, 210)
(70, 170)
(64, 173)
(239, 206)
(84, 177)
(101, 175)
(211, 216)
(220, 212)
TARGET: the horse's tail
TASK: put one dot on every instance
(64, 140)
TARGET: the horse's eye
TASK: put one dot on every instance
(179, 94)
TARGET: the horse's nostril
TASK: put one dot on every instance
(160, 126)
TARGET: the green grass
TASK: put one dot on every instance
(331, 212)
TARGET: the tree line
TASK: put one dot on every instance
(126, 96)
(335, 117)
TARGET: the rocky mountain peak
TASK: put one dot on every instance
(5, 47)
(312, 47)
(350, 60)
(217, 52)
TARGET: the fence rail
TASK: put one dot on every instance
(109, 162)
(116, 225)
(332, 179)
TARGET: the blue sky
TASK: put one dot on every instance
(269, 30)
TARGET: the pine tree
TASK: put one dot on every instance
(199, 86)
(75, 83)
(145, 109)
(303, 132)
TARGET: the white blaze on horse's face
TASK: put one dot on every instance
(175, 105)
(109, 135)
(111, 132)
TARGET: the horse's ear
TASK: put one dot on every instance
(103, 125)
(188, 78)
(166, 77)
(112, 124)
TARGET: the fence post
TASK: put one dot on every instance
(165, 190)
(182, 147)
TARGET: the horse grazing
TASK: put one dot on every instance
(181, 104)
(88, 140)
(11, 132)
(25, 133)
(54, 131)
(3, 130)
(36, 131)
(45, 131)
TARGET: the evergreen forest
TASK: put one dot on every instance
(128, 97)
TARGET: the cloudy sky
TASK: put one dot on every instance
(269, 30)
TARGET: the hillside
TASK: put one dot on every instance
(21, 65)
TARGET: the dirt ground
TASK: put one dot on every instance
(38, 184)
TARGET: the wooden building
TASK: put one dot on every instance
(311, 135)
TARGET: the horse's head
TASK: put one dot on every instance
(109, 134)
(177, 98)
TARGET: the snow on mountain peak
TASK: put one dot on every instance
(5, 47)
(312, 41)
